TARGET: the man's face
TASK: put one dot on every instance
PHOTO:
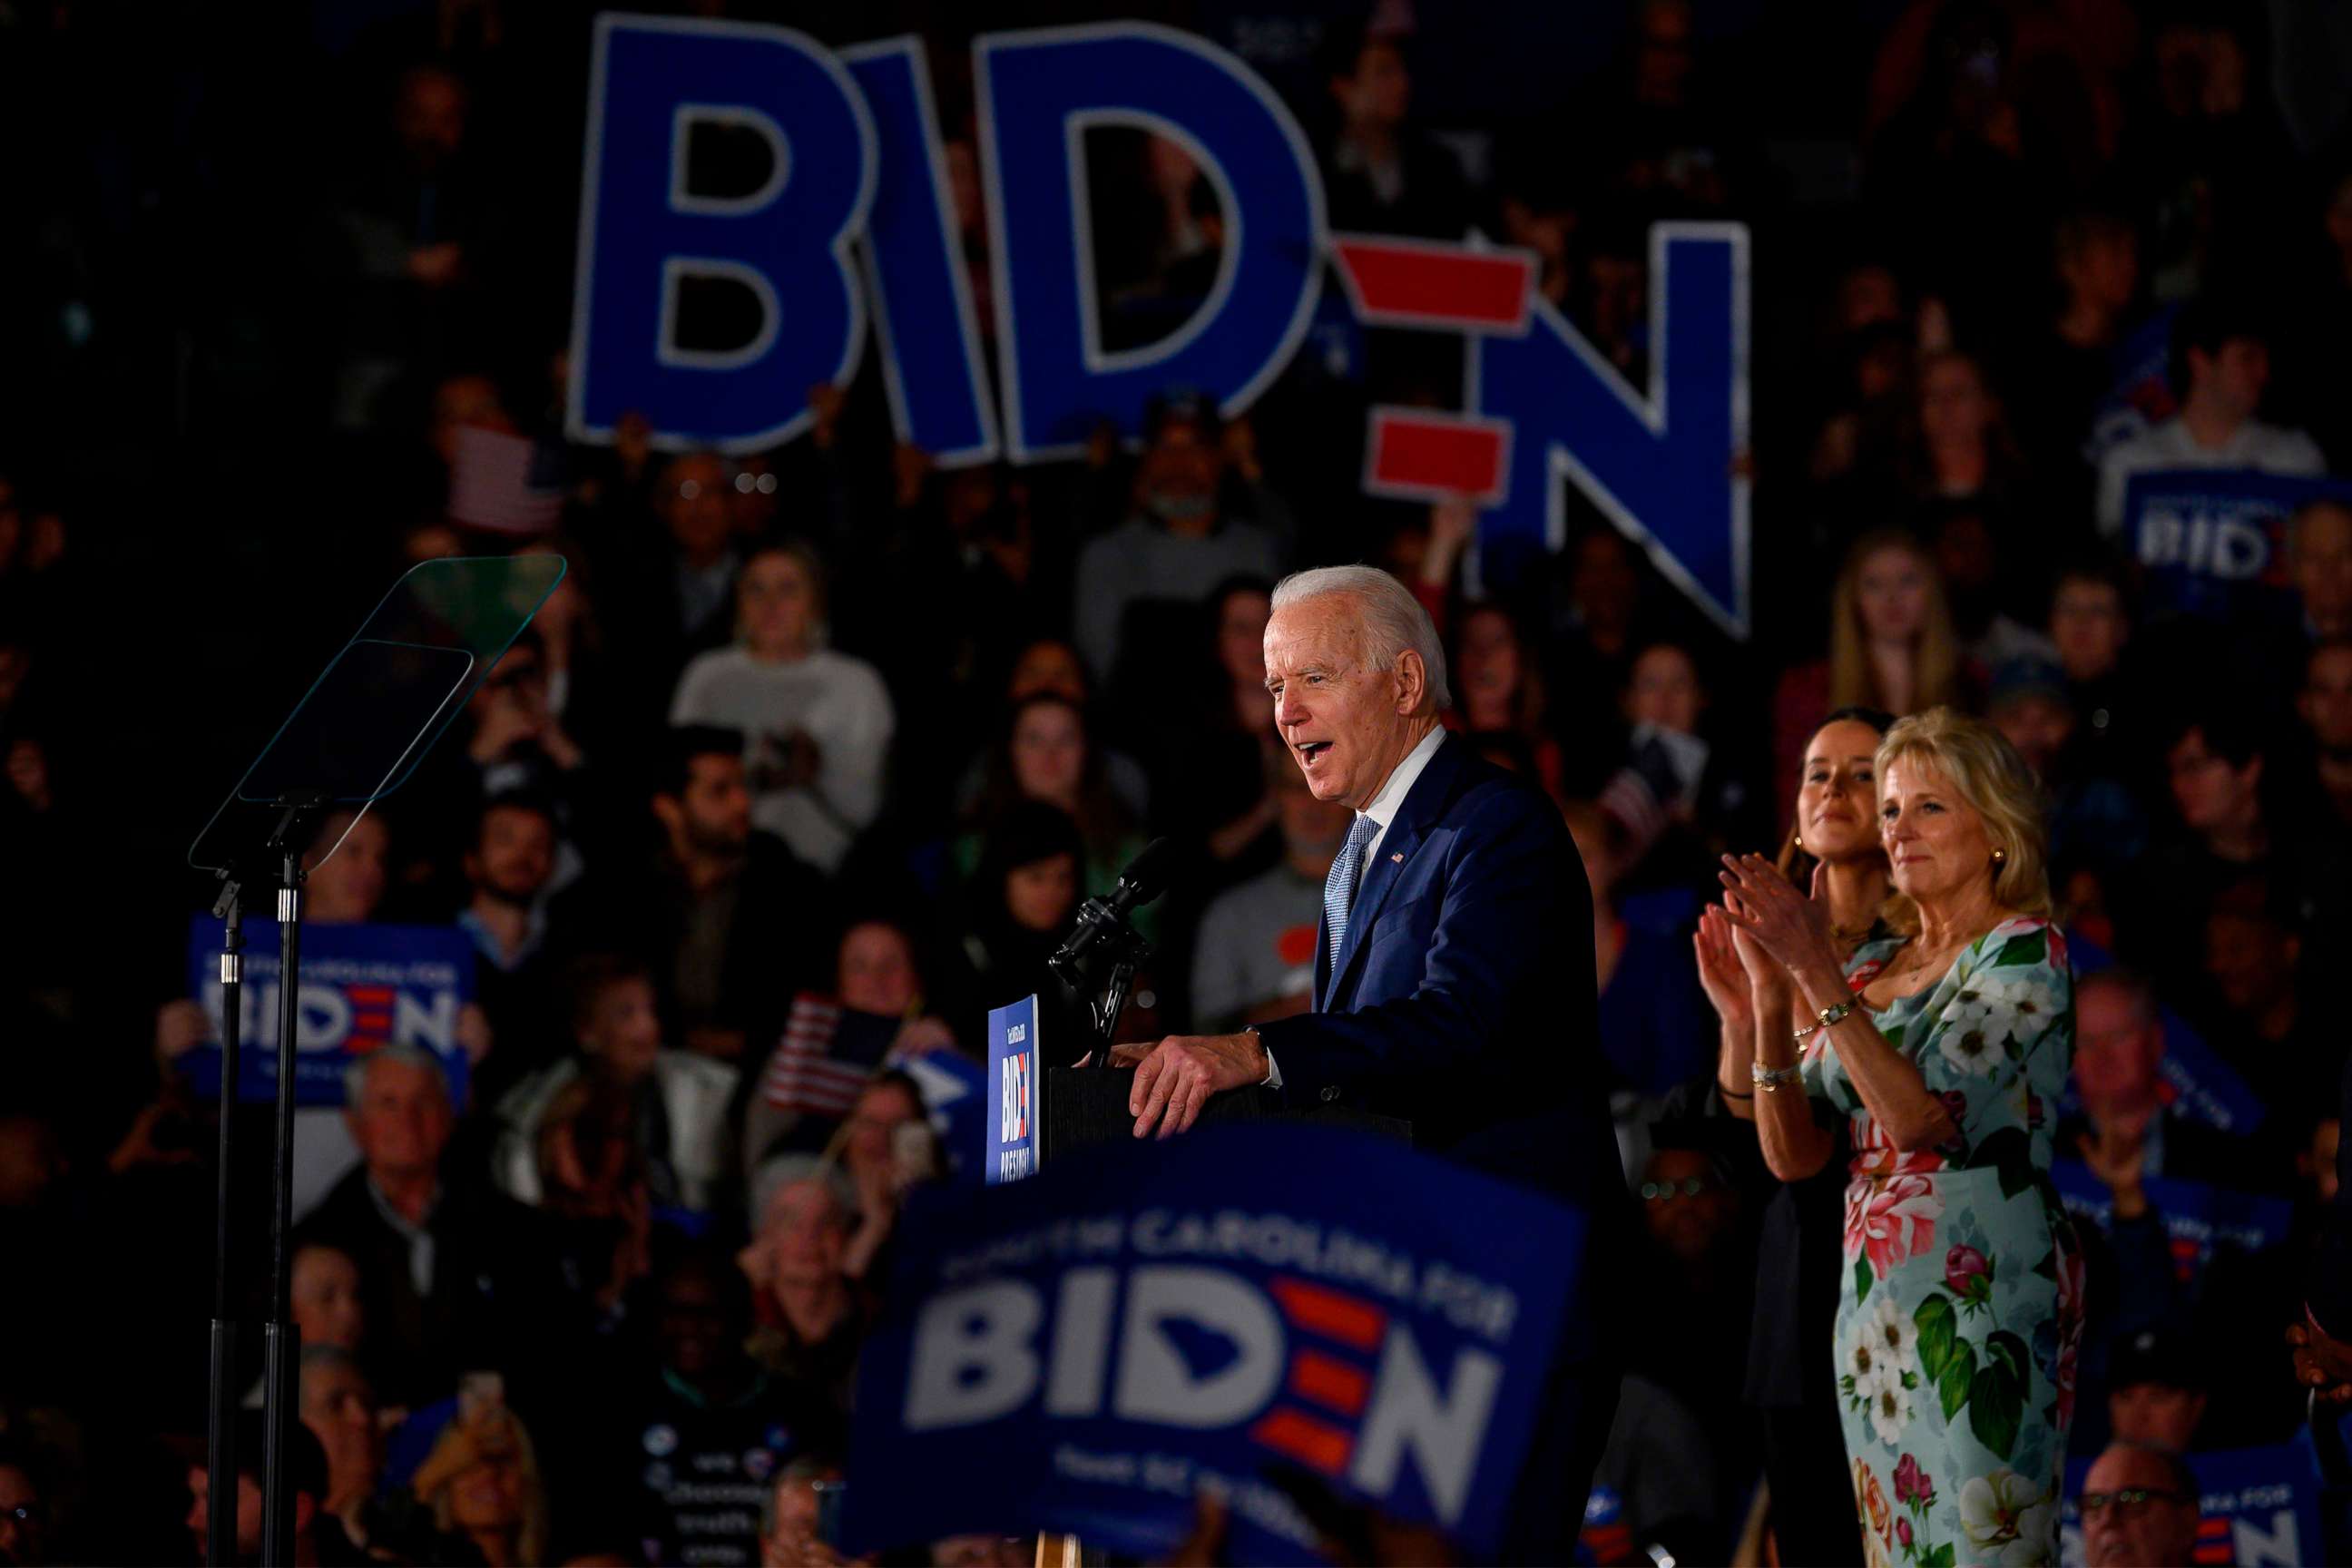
(1381, 92)
(1663, 691)
(2038, 725)
(1178, 476)
(877, 971)
(346, 888)
(2250, 960)
(2237, 373)
(1686, 1223)
(20, 1539)
(713, 814)
(2155, 1414)
(623, 1030)
(401, 1121)
(339, 1409)
(2086, 622)
(516, 854)
(2159, 1527)
(694, 506)
(431, 117)
(2326, 701)
(1346, 724)
(2209, 792)
(2321, 565)
(1040, 894)
(324, 1293)
(694, 1328)
(1312, 828)
(2104, 270)
(248, 1512)
(2117, 1051)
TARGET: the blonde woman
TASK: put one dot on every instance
(481, 1481)
(817, 724)
(1943, 1046)
(1891, 646)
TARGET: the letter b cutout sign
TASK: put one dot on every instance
(646, 235)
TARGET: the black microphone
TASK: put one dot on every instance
(1144, 880)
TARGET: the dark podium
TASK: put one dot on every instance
(1087, 1105)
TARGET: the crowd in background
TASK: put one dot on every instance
(813, 755)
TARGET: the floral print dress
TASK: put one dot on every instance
(1962, 1300)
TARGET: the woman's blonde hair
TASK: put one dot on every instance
(442, 1465)
(1986, 771)
(1936, 658)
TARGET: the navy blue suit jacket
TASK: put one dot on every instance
(1463, 998)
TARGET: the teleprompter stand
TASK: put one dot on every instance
(356, 736)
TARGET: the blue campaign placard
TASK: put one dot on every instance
(363, 987)
(2212, 542)
(1248, 1304)
(1012, 1091)
(2197, 1216)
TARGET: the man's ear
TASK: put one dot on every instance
(1412, 681)
(669, 813)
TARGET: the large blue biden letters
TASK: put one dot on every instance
(856, 215)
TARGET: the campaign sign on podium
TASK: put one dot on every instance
(1289, 1314)
(1012, 1090)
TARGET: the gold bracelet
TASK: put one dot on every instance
(1823, 1019)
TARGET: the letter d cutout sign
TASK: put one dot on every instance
(647, 236)
(1039, 93)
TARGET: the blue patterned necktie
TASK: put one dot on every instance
(1340, 887)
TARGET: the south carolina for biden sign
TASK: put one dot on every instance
(1086, 1350)
(852, 223)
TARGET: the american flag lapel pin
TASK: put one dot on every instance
(1398, 858)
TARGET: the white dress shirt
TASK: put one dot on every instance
(1382, 809)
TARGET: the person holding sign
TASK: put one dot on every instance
(1943, 1046)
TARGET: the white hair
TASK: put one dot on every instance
(355, 1075)
(1392, 619)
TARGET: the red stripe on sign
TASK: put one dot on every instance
(1398, 283)
(1429, 457)
(380, 994)
(1328, 1382)
(371, 1023)
(1312, 1443)
(1346, 1318)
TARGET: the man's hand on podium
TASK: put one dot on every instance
(1174, 1079)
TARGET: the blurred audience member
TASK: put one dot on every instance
(816, 723)
(2140, 1508)
(2220, 363)
(1254, 956)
